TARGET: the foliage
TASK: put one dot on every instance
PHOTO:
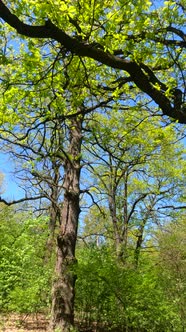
(24, 273)
(172, 265)
(141, 43)
(108, 293)
(122, 297)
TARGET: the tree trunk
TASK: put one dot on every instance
(139, 243)
(54, 210)
(125, 216)
(63, 290)
(113, 214)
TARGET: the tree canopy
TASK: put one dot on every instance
(141, 42)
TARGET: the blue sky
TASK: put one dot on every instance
(11, 189)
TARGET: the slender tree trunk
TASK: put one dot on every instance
(113, 207)
(141, 230)
(121, 233)
(125, 215)
(54, 210)
(139, 243)
(113, 214)
(63, 290)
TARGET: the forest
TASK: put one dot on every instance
(92, 123)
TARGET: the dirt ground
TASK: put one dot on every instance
(34, 323)
(23, 323)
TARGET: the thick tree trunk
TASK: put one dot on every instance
(62, 313)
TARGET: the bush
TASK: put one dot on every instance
(121, 297)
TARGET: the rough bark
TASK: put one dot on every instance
(63, 290)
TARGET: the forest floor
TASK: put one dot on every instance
(23, 323)
(32, 323)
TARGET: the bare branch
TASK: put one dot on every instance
(21, 200)
(173, 207)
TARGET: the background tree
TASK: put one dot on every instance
(136, 174)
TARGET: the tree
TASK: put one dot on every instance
(137, 173)
(45, 141)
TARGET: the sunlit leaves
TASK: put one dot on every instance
(23, 278)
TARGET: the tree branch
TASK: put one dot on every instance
(139, 76)
(21, 200)
(173, 207)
